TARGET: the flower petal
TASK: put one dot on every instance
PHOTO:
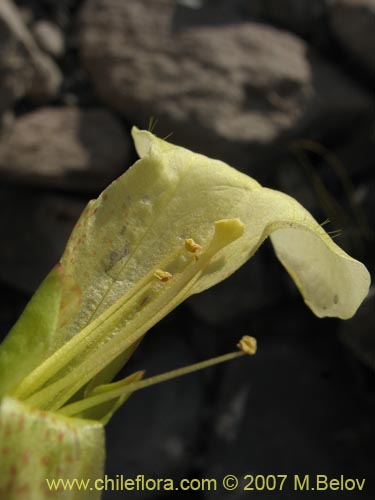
(331, 282)
(175, 224)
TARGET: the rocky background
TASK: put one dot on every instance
(281, 89)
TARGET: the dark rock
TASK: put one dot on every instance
(300, 16)
(6, 123)
(12, 302)
(356, 151)
(352, 23)
(34, 228)
(233, 91)
(250, 290)
(58, 12)
(24, 69)
(66, 148)
(293, 180)
(358, 332)
(158, 425)
(291, 409)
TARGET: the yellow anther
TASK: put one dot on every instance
(162, 275)
(248, 345)
(192, 246)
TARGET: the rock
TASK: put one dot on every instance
(60, 12)
(352, 23)
(233, 91)
(300, 16)
(49, 37)
(26, 13)
(46, 79)
(24, 69)
(6, 123)
(35, 227)
(66, 148)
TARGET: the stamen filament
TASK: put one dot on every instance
(90, 402)
(78, 344)
(68, 385)
(126, 325)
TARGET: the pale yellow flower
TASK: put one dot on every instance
(175, 224)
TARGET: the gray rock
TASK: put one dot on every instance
(24, 69)
(352, 23)
(27, 14)
(66, 148)
(49, 37)
(34, 228)
(233, 91)
(6, 123)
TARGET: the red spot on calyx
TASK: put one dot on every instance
(60, 269)
(61, 436)
(45, 461)
(13, 470)
(25, 457)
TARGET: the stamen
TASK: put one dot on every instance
(191, 246)
(72, 366)
(163, 276)
(119, 389)
(248, 345)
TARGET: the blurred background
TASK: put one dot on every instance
(282, 90)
